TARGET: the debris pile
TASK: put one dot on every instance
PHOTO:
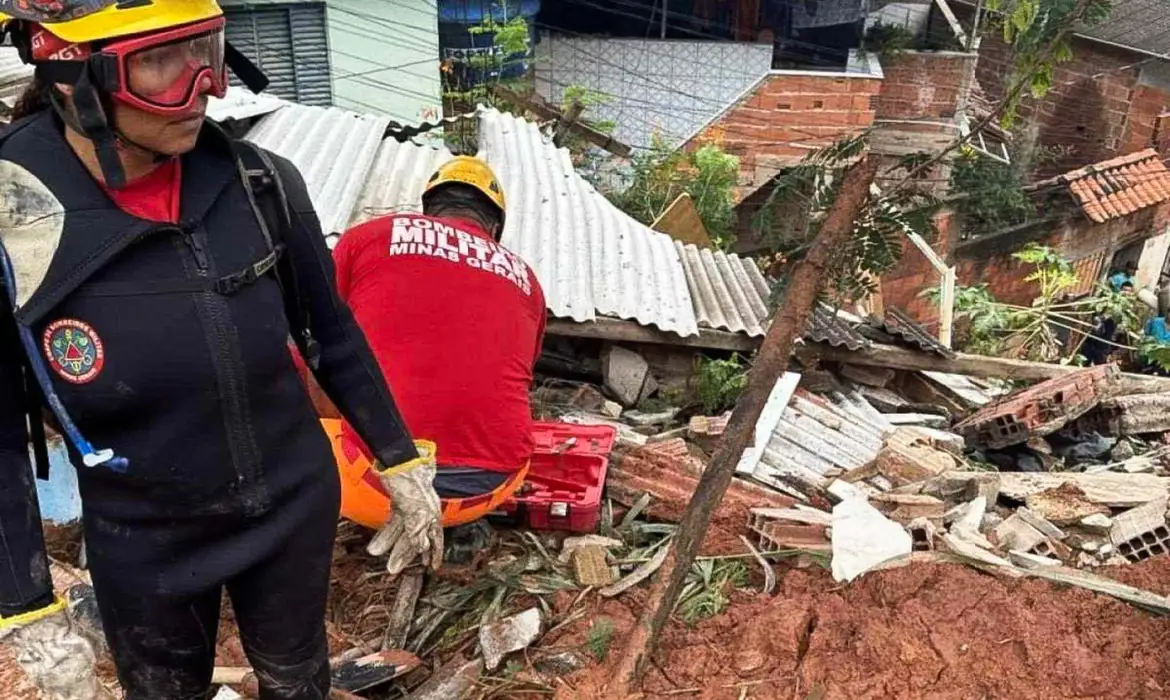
(828, 570)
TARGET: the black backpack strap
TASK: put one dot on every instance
(270, 202)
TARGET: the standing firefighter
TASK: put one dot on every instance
(154, 269)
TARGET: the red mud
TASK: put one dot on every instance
(928, 631)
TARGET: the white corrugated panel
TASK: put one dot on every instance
(397, 179)
(808, 436)
(590, 257)
(241, 103)
(730, 292)
(14, 75)
(334, 150)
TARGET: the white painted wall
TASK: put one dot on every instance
(385, 58)
(1153, 261)
(670, 88)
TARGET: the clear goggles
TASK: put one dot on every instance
(167, 72)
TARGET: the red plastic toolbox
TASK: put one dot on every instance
(565, 478)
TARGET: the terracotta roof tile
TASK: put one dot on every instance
(1120, 186)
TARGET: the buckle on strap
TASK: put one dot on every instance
(233, 283)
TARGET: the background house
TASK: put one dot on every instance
(289, 41)
(377, 56)
(384, 57)
(1111, 99)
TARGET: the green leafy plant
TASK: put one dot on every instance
(983, 318)
(600, 638)
(1054, 274)
(710, 583)
(721, 383)
(661, 174)
(1155, 353)
(888, 40)
(1033, 332)
(994, 195)
(798, 203)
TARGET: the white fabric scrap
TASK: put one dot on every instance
(864, 538)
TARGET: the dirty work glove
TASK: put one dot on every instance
(415, 528)
(58, 660)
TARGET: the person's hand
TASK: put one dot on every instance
(415, 528)
(58, 660)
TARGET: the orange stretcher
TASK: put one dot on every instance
(365, 502)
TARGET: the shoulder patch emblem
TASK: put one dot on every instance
(74, 350)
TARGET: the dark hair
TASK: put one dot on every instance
(463, 201)
(34, 99)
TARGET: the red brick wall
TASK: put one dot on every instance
(1142, 130)
(922, 85)
(902, 286)
(787, 116)
(915, 110)
(1162, 135)
(989, 261)
(1087, 113)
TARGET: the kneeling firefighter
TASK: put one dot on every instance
(154, 270)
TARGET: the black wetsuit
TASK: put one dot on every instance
(231, 481)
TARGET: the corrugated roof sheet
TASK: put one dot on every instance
(728, 291)
(825, 326)
(14, 76)
(397, 179)
(1121, 186)
(801, 437)
(1141, 24)
(898, 323)
(334, 150)
(590, 257)
(241, 103)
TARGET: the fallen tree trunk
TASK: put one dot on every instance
(791, 318)
(893, 357)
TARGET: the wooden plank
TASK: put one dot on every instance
(973, 365)
(952, 20)
(545, 111)
(1098, 584)
(681, 222)
(1113, 490)
(946, 311)
(629, 331)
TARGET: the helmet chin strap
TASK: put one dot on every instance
(107, 139)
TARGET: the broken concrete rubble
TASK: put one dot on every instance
(1040, 410)
(511, 634)
(625, 373)
(1097, 523)
(1066, 504)
(905, 508)
(1141, 532)
(1138, 414)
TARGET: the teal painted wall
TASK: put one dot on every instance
(385, 58)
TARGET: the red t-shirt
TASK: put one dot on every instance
(154, 197)
(456, 322)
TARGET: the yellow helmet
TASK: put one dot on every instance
(83, 21)
(467, 170)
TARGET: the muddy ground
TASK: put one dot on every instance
(928, 631)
